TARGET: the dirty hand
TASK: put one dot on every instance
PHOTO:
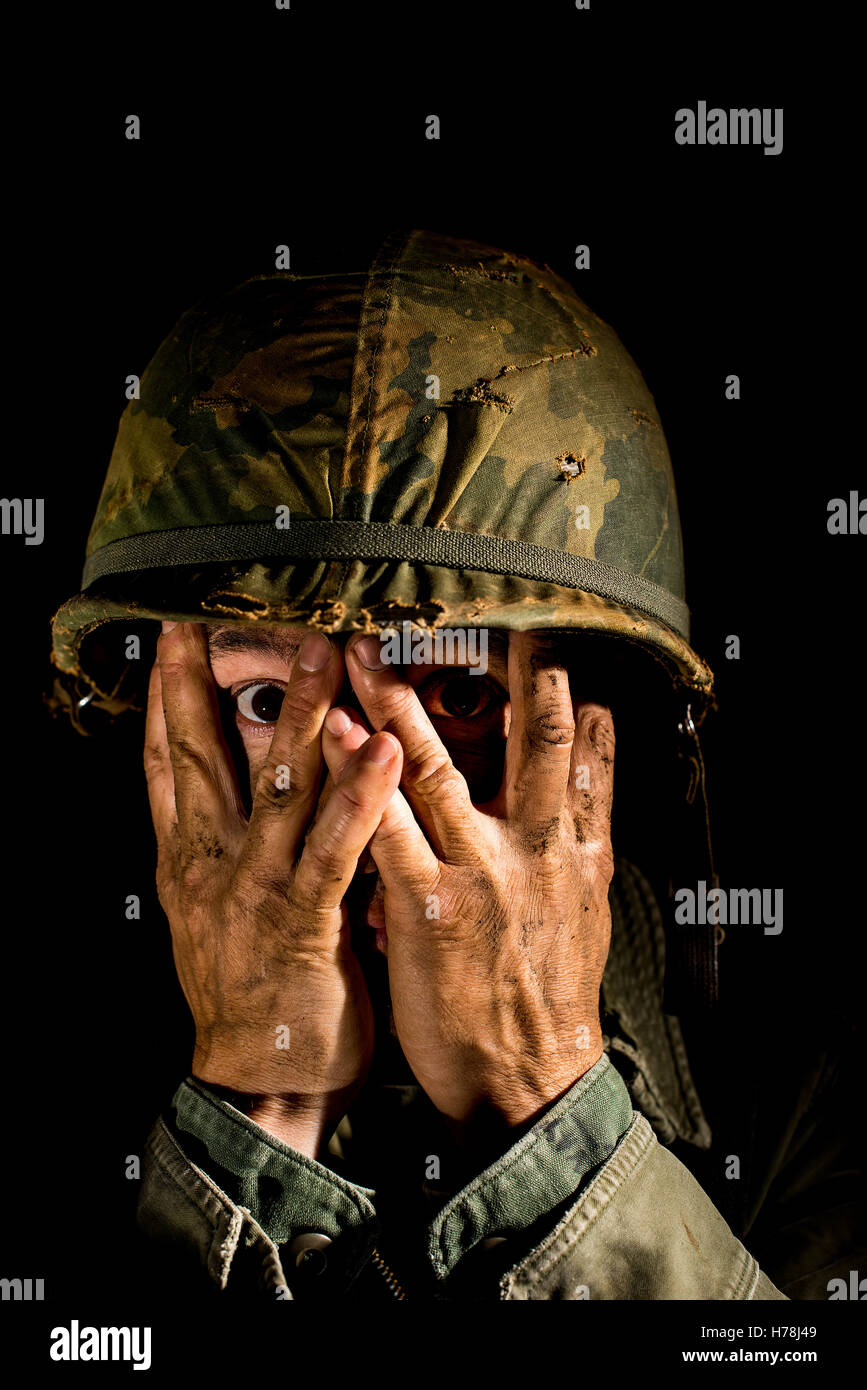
(497, 917)
(260, 938)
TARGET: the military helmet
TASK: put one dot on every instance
(447, 437)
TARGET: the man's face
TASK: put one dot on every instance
(482, 844)
(470, 712)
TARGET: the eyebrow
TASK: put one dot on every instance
(224, 640)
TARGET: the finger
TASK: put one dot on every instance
(541, 732)
(330, 856)
(437, 792)
(288, 785)
(208, 802)
(158, 771)
(405, 860)
(592, 772)
(343, 732)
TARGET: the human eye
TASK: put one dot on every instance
(258, 704)
(458, 695)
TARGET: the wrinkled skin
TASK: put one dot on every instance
(496, 909)
(257, 925)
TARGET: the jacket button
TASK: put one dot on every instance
(308, 1252)
(492, 1241)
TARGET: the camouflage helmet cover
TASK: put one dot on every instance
(448, 436)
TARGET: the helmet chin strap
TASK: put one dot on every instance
(692, 969)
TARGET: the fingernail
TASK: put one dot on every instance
(368, 651)
(169, 627)
(314, 653)
(337, 722)
(380, 748)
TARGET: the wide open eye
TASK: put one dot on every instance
(459, 696)
(260, 703)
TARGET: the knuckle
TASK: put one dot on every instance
(393, 710)
(172, 670)
(355, 800)
(302, 708)
(165, 880)
(606, 745)
(272, 793)
(600, 735)
(320, 857)
(429, 775)
(390, 831)
(153, 758)
(548, 730)
(189, 757)
(603, 859)
(266, 889)
(400, 702)
(192, 875)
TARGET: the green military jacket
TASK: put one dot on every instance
(589, 1203)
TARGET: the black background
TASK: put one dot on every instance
(308, 127)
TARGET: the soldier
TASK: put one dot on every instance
(433, 1058)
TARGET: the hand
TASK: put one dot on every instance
(259, 935)
(497, 918)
